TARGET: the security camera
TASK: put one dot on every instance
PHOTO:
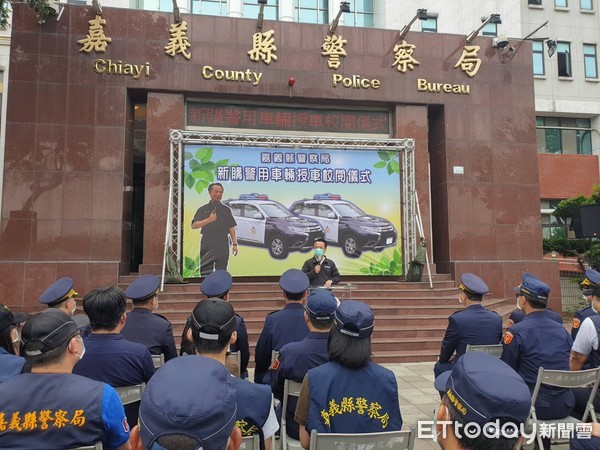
(500, 41)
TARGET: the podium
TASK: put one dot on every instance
(342, 291)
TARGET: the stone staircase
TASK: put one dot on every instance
(410, 318)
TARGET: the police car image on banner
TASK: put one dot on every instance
(267, 223)
(346, 225)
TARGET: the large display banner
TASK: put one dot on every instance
(279, 200)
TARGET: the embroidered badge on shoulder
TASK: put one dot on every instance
(275, 365)
(508, 337)
(125, 425)
(576, 323)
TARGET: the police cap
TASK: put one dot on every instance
(143, 288)
(47, 331)
(58, 291)
(294, 281)
(200, 403)
(321, 304)
(533, 287)
(217, 283)
(596, 291)
(591, 279)
(7, 318)
(471, 284)
(213, 318)
(354, 319)
(483, 388)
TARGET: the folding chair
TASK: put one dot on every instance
(250, 443)
(290, 389)
(494, 349)
(158, 360)
(130, 394)
(563, 379)
(388, 440)
(233, 362)
(96, 446)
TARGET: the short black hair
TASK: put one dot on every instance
(323, 325)
(212, 185)
(295, 296)
(348, 351)
(208, 347)
(104, 306)
(534, 302)
(6, 340)
(50, 357)
(475, 297)
(481, 441)
(178, 442)
(320, 240)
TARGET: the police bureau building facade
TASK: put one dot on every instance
(92, 99)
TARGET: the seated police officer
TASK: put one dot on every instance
(586, 349)
(11, 363)
(296, 358)
(152, 330)
(538, 341)
(484, 392)
(283, 326)
(61, 295)
(472, 325)
(109, 356)
(50, 408)
(217, 285)
(213, 330)
(198, 412)
(591, 279)
(349, 394)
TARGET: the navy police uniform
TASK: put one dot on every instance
(60, 291)
(590, 281)
(296, 358)
(214, 245)
(144, 327)
(538, 341)
(473, 325)
(480, 388)
(201, 403)
(283, 326)
(217, 284)
(517, 315)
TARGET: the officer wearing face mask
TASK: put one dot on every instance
(590, 281)
(10, 362)
(143, 327)
(321, 271)
(472, 325)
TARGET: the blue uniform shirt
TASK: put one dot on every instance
(152, 330)
(295, 360)
(281, 327)
(10, 365)
(539, 341)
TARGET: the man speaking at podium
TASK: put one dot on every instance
(321, 271)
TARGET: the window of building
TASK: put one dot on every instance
(552, 227)
(563, 53)
(207, 7)
(360, 15)
(491, 29)
(535, 2)
(271, 11)
(429, 25)
(561, 3)
(538, 58)
(311, 11)
(590, 61)
(564, 135)
(586, 5)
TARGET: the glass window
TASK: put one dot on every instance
(429, 25)
(491, 29)
(311, 11)
(589, 61)
(208, 7)
(360, 15)
(564, 135)
(538, 58)
(535, 2)
(586, 5)
(552, 227)
(563, 50)
(560, 3)
(271, 10)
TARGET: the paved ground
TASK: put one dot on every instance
(418, 398)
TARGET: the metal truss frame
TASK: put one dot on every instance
(178, 138)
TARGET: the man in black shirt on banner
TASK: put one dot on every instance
(321, 271)
(216, 223)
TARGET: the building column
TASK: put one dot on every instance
(235, 8)
(286, 10)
